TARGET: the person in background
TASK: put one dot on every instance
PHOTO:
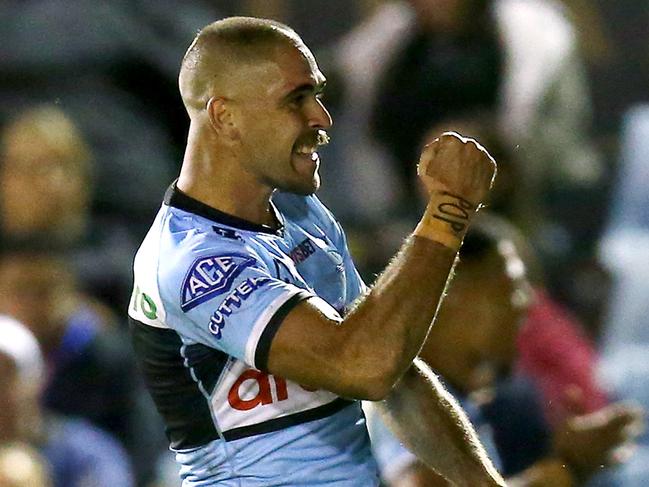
(46, 189)
(624, 250)
(76, 453)
(474, 348)
(413, 64)
(89, 361)
(22, 466)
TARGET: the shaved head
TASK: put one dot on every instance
(222, 49)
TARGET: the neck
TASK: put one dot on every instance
(212, 174)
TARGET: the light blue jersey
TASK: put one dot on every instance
(210, 292)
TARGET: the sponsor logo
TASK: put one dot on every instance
(144, 302)
(209, 277)
(302, 251)
(254, 388)
(232, 302)
(226, 232)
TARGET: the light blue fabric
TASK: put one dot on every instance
(221, 283)
(80, 455)
(624, 367)
(625, 246)
(332, 451)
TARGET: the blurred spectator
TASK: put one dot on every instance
(413, 64)
(111, 66)
(21, 466)
(614, 40)
(554, 349)
(625, 251)
(625, 245)
(90, 369)
(46, 190)
(472, 346)
(77, 454)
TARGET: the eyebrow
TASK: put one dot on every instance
(306, 88)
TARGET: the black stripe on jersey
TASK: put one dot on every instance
(176, 394)
(176, 198)
(266, 338)
(286, 421)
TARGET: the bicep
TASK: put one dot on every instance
(308, 346)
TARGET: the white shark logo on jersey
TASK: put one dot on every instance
(211, 276)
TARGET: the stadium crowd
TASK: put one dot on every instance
(548, 359)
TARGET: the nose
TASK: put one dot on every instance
(320, 118)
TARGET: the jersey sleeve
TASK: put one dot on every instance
(228, 299)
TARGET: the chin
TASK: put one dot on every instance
(302, 188)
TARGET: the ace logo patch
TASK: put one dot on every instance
(211, 276)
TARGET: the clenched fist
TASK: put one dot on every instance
(457, 173)
(457, 165)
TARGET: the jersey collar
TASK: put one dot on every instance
(176, 198)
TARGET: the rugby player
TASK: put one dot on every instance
(474, 348)
(256, 335)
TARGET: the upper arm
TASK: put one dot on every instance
(312, 347)
(231, 301)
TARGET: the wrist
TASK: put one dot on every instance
(446, 219)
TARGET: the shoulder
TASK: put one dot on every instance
(188, 258)
(183, 238)
(205, 262)
(306, 209)
(312, 215)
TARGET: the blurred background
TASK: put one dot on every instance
(92, 131)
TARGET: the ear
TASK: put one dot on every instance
(222, 118)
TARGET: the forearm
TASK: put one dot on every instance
(391, 324)
(433, 426)
(388, 327)
(366, 354)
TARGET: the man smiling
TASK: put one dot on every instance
(256, 335)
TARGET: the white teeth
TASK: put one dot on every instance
(305, 150)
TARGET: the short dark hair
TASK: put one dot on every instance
(222, 45)
(479, 241)
(247, 31)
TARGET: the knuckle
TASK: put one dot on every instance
(452, 138)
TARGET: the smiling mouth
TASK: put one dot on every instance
(305, 150)
(309, 146)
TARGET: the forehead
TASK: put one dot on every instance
(287, 67)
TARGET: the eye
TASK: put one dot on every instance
(298, 99)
